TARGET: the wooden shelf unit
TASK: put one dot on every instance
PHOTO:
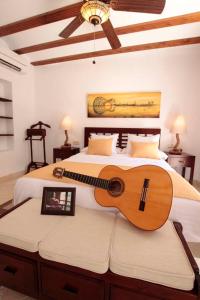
(6, 134)
(5, 100)
(5, 117)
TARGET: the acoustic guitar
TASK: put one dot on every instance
(142, 194)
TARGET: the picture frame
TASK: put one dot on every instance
(124, 105)
(58, 201)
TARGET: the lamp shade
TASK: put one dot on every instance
(66, 123)
(95, 12)
(179, 125)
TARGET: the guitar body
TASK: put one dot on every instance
(142, 194)
(102, 105)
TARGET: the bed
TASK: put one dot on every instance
(183, 210)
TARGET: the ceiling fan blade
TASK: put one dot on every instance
(111, 35)
(55, 15)
(142, 6)
(72, 26)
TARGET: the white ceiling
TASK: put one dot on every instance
(13, 10)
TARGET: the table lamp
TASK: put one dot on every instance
(178, 128)
(66, 125)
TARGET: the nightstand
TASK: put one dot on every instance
(63, 153)
(183, 160)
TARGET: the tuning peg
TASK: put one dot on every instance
(58, 172)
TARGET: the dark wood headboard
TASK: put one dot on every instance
(123, 133)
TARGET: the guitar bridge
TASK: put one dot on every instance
(144, 194)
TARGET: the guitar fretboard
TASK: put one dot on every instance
(95, 181)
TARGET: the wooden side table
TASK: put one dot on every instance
(63, 153)
(183, 160)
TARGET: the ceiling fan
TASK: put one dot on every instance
(97, 12)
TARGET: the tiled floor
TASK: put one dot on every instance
(7, 294)
(195, 249)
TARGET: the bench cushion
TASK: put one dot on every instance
(82, 240)
(25, 227)
(156, 256)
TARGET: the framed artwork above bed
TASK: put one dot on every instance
(124, 105)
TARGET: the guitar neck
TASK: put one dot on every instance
(94, 181)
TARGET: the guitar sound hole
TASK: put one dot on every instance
(116, 187)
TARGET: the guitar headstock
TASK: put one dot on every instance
(58, 172)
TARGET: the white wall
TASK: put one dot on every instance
(62, 89)
(23, 90)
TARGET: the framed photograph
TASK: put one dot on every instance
(58, 201)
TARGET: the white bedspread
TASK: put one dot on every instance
(183, 210)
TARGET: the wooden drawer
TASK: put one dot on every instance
(180, 161)
(65, 285)
(118, 293)
(18, 274)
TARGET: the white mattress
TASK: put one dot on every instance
(183, 210)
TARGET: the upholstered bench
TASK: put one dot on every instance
(157, 256)
(82, 241)
(93, 256)
(25, 227)
(20, 233)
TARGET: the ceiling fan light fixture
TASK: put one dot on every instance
(95, 12)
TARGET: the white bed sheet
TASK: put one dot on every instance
(183, 210)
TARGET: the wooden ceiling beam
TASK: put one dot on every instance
(59, 14)
(61, 42)
(167, 22)
(150, 46)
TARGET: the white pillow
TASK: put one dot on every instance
(138, 138)
(163, 155)
(113, 136)
(84, 150)
(118, 150)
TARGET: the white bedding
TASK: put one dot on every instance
(183, 210)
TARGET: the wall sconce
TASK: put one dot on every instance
(178, 128)
(66, 125)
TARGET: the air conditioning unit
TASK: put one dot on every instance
(13, 61)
